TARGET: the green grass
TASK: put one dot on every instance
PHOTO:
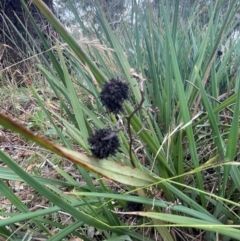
(184, 162)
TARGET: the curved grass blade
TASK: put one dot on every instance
(112, 170)
(180, 221)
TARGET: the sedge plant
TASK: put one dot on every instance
(172, 132)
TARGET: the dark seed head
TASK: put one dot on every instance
(219, 53)
(134, 207)
(104, 143)
(113, 94)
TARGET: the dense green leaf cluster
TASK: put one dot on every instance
(184, 134)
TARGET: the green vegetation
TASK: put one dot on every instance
(177, 128)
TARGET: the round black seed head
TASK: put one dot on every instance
(113, 94)
(219, 53)
(104, 143)
(113, 106)
(134, 207)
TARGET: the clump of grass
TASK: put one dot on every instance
(178, 141)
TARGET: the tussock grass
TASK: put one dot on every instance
(179, 151)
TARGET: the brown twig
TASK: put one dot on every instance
(139, 106)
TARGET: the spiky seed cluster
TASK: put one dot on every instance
(219, 53)
(134, 207)
(104, 143)
(113, 94)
